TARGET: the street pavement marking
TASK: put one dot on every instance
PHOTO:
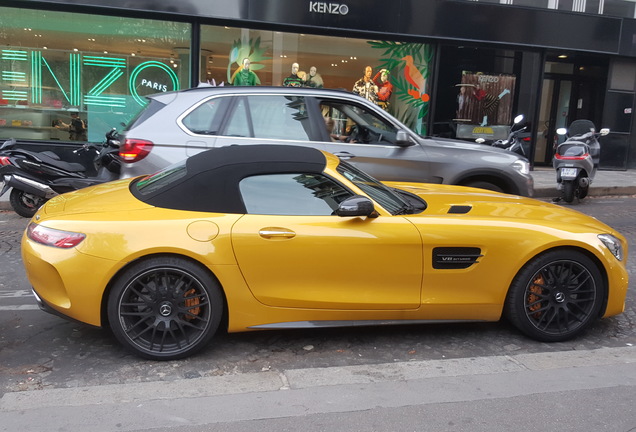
(19, 308)
(27, 295)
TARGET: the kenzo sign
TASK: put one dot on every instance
(328, 8)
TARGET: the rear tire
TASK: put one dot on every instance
(165, 308)
(25, 204)
(583, 192)
(568, 191)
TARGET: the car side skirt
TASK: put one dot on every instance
(349, 323)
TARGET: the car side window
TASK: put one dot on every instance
(239, 122)
(271, 117)
(206, 118)
(292, 194)
(355, 124)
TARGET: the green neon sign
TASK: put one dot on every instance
(36, 65)
(139, 69)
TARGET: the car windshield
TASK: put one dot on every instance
(380, 193)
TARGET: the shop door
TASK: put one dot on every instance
(554, 114)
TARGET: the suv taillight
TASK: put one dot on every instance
(134, 150)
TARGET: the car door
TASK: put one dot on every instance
(368, 140)
(293, 252)
(270, 118)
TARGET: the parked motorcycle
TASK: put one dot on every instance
(516, 138)
(576, 159)
(35, 177)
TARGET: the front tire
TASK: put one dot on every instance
(25, 204)
(555, 296)
(165, 308)
(480, 184)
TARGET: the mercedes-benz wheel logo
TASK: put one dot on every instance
(165, 309)
(559, 297)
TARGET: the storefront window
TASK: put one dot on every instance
(58, 79)
(235, 56)
(476, 93)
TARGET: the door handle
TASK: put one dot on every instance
(273, 232)
(345, 155)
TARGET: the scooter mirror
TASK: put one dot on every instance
(561, 131)
(604, 131)
(480, 140)
(518, 119)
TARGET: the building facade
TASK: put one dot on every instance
(444, 67)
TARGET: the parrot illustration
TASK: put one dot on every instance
(415, 78)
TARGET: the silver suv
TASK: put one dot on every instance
(176, 125)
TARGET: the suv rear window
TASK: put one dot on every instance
(145, 113)
(206, 118)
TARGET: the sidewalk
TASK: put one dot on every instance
(605, 183)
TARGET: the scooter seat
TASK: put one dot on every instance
(55, 161)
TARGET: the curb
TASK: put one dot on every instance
(594, 191)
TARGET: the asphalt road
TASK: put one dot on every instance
(58, 365)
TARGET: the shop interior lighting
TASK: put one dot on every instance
(563, 56)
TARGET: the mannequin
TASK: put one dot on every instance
(314, 79)
(245, 77)
(365, 86)
(385, 88)
(293, 80)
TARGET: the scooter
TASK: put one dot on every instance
(576, 159)
(36, 177)
(515, 140)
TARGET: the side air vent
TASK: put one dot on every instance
(459, 209)
(455, 257)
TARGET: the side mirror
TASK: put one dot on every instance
(561, 131)
(604, 131)
(480, 140)
(518, 119)
(357, 205)
(402, 139)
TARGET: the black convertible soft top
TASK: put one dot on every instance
(209, 181)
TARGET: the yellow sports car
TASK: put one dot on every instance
(273, 237)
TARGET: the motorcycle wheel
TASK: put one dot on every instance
(583, 192)
(25, 204)
(568, 191)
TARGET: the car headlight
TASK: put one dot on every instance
(613, 244)
(522, 165)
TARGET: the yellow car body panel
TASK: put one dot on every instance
(351, 268)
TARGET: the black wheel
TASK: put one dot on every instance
(25, 204)
(165, 308)
(568, 191)
(555, 296)
(484, 185)
(583, 192)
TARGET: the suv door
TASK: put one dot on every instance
(269, 119)
(368, 140)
